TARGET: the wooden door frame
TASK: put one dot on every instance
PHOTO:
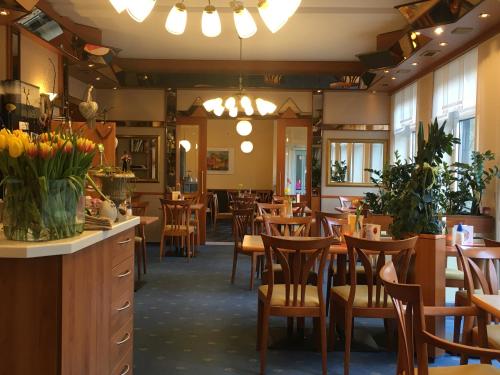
(282, 124)
(201, 122)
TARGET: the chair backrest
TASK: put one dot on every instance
(299, 208)
(242, 224)
(372, 254)
(346, 202)
(297, 257)
(139, 208)
(278, 199)
(330, 224)
(479, 268)
(176, 213)
(244, 202)
(491, 243)
(210, 199)
(193, 197)
(408, 304)
(287, 226)
(271, 209)
(265, 196)
(232, 195)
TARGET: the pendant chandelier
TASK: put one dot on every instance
(239, 102)
(274, 13)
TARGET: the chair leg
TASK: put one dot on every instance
(322, 329)
(289, 326)
(138, 256)
(260, 310)
(162, 246)
(348, 337)
(188, 246)
(263, 339)
(235, 262)
(252, 270)
(144, 250)
(329, 286)
(457, 321)
(332, 328)
(467, 337)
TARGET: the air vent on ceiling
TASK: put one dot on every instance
(462, 30)
(430, 53)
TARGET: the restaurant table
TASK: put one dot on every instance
(489, 303)
(346, 210)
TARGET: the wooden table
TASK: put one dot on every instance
(489, 303)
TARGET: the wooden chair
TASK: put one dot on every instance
(277, 199)
(293, 298)
(370, 300)
(139, 209)
(219, 215)
(242, 224)
(264, 196)
(407, 302)
(231, 196)
(210, 206)
(299, 208)
(194, 198)
(177, 224)
(287, 226)
(346, 202)
(480, 277)
(270, 209)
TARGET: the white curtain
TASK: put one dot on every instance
(405, 120)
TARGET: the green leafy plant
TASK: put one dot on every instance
(417, 209)
(339, 171)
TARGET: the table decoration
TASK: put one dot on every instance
(44, 178)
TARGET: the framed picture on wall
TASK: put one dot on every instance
(220, 161)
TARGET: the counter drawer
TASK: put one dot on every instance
(125, 366)
(122, 246)
(122, 279)
(121, 343)
(122, 309)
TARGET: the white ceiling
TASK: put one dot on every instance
(333, 30)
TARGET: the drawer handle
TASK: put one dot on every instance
(124, 340)
(125, 370)
(124, 307)
(124, 241)
(125, 274)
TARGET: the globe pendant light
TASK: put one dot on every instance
(139, 10)
(210, 22)
(244, 22)
(273, 14)
(246, 147)
(230, 103)
(177, 19)
(233, 112)
(185, 144)
(244, 128)
(119, 5)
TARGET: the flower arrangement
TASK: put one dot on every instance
(44, 178)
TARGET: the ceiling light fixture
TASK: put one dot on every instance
(210, 21)
(97, 78)
(4, 12)
(393, 78)
(443, 44)
(177, 19)
(438, 30)
(246, 147)
(119, 5)
(91, 65)
(484, 15)
(185, 144)
(386, 71)
(414, 64)
(139, 10)
(243, 20)
(276, 13)
(244, 128)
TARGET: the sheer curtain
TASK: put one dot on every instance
(404, 121)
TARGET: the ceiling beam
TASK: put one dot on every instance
(235, 66)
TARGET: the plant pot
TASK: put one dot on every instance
(42, 211)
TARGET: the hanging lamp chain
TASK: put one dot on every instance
(241, 65)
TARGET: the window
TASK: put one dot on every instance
(404, 121)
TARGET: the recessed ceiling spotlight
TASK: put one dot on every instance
(417, 32)
(438, 30)
(386, 71)
(115, 88)
(414, 63)
(374, 92)
(484, 15)
(393, 78)
(4, 12)
(145, 76)
(91, 65)
(319, 91)
(443, 44)
(97, 78)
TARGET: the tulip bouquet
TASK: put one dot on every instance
(43, 179)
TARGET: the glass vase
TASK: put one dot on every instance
(42, 211)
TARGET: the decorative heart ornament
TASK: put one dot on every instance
(89, 108)
(103, 130)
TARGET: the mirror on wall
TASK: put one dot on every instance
(349, 159)
(142, 154)
(295, 160)
(188, 156)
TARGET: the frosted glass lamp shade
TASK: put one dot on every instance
(230, 103)
(210, 22)
(249, 111)
(273, 13)
(218, 111)
(244, 128)
(119, 5)
(139, 10)
(244, 22)
(212, 104)
(185, 144)
(177, 19)
(246, 147)
(233, 112)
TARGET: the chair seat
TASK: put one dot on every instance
(178, 229)
(464, 370)
(493, 335)
(454, 274)
(361, 296)
(279, 295)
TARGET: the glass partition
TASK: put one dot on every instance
(349, 159)
(188, 149)
(296, 160)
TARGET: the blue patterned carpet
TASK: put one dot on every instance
(190, 320)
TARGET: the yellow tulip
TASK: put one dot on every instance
(16, 147)
(3, 142)
(4, 132)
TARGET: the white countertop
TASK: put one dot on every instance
(21, 249)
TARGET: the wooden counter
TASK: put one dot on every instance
(67, 306)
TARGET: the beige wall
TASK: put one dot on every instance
(36, 68)
(356, 108)
(78, 89)
(487, 112)
(132, 104)
(3, 52)
(425, 89)
(254, 170)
